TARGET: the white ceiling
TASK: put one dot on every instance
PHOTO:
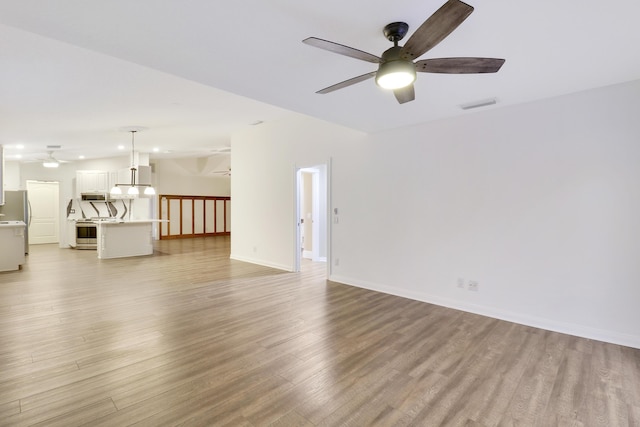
(75, 72)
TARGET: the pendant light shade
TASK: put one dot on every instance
(133, 188)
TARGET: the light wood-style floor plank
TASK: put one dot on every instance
(188, 337)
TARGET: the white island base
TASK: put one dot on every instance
(124, 239)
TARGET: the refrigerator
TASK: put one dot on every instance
(16, 208)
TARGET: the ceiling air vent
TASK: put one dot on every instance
(478, 104)
(54, 147)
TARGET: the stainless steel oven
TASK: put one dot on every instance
(86, 235)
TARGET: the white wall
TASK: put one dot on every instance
(192, 177)
(264, 163)
(539, 203)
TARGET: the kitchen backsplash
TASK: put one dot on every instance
(79, 209)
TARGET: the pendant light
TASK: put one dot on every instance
(133, 189)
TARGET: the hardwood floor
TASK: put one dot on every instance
(189, 337)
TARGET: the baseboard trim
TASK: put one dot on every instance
(533, 321)
(261, 262)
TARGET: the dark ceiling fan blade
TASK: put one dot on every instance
(459, 65)
(405, 94)
(349, 82)
(341, 49)
(436, 28)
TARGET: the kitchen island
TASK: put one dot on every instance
(119, 239)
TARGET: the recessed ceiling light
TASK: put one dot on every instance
(20, 146)
(120, 147)
(18, 156)
(81, 156)
(156, 149)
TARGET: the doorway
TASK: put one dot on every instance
(45, 213)
(311, 215)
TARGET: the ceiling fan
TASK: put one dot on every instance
(396, 69)
(50, 161)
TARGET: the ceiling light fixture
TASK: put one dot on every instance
(50, 163)
(133, 189)
(395, 72)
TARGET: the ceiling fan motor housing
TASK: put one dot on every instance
(395, 31)
(395, 72)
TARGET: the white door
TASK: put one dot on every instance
(45, 213)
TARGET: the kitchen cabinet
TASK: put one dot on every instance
(12, 248)
(92, 181)
(71, 232)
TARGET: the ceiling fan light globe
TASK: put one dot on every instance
(149, 191)
(133, 191)
(115, 191)
(396, 74)
(50, 164)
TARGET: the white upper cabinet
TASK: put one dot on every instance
(92, 181)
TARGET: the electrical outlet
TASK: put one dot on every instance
(460, 282)
(473, 286)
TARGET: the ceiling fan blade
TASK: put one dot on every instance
(341, 49)
(346, 83)
(459, 65)
(436, 28)
(405, 94)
